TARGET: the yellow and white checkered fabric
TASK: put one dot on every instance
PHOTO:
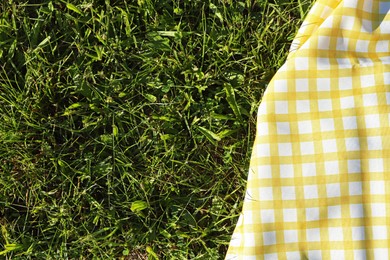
(319, 179)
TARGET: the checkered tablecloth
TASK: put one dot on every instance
(318, 184)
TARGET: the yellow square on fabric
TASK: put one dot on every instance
(318, 184)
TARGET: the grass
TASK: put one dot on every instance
(127, 126)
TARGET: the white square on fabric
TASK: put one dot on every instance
(280, 85)
(262, 129)
(290, 215)
(355, 188)
(354, 166)
(313, 235)
(245, 256)
(367, 6)
(302, 85)
(310, 191)
(378, 209)
(262, 109)
(290, 236)
(360, 254)
(272, 256)
(362, 46)
(309, 169)
(385, 59)
(306, 23)
(356, 210)
(366, 25)
(349, 122)
(345, 83)
(351, 3)
(344, 62)
(323, 84)
(285, 149)
(381, 253)
(267, 215)
(382, 46)
(281, 107)
(333, 190)
(328, 23)
(314, 254)
(329, 146)
(379, 232)
(388, 94)
(342, 44)
(374, 143)
(367, 80)
(307, 148)
(358, 233)
(385, 27)
(352, 144)
(331, 167)
(286, 171)
(337, 254)
(262, 150)
(266, 193)
(377, 187)
(250, 239)
(372, 121)
(301, 63)
(288, 192)
(236, 240)
(327, 124)
(323, 63)
(293, 255)
(334, 212)
(324, 105)
(347, 102)
(347, 22)
(303, 106)
(365, 61)
(323, 42)
(249, 195)
(370, 100)
(305, 127)
(248, 216)
(283, 128)
(312, 214)
(336, 234)
(269, 238)
(264, 171)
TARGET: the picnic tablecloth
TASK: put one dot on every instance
(318, 185)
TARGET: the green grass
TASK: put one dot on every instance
(126, 127)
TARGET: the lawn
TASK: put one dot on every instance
(126, 127)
